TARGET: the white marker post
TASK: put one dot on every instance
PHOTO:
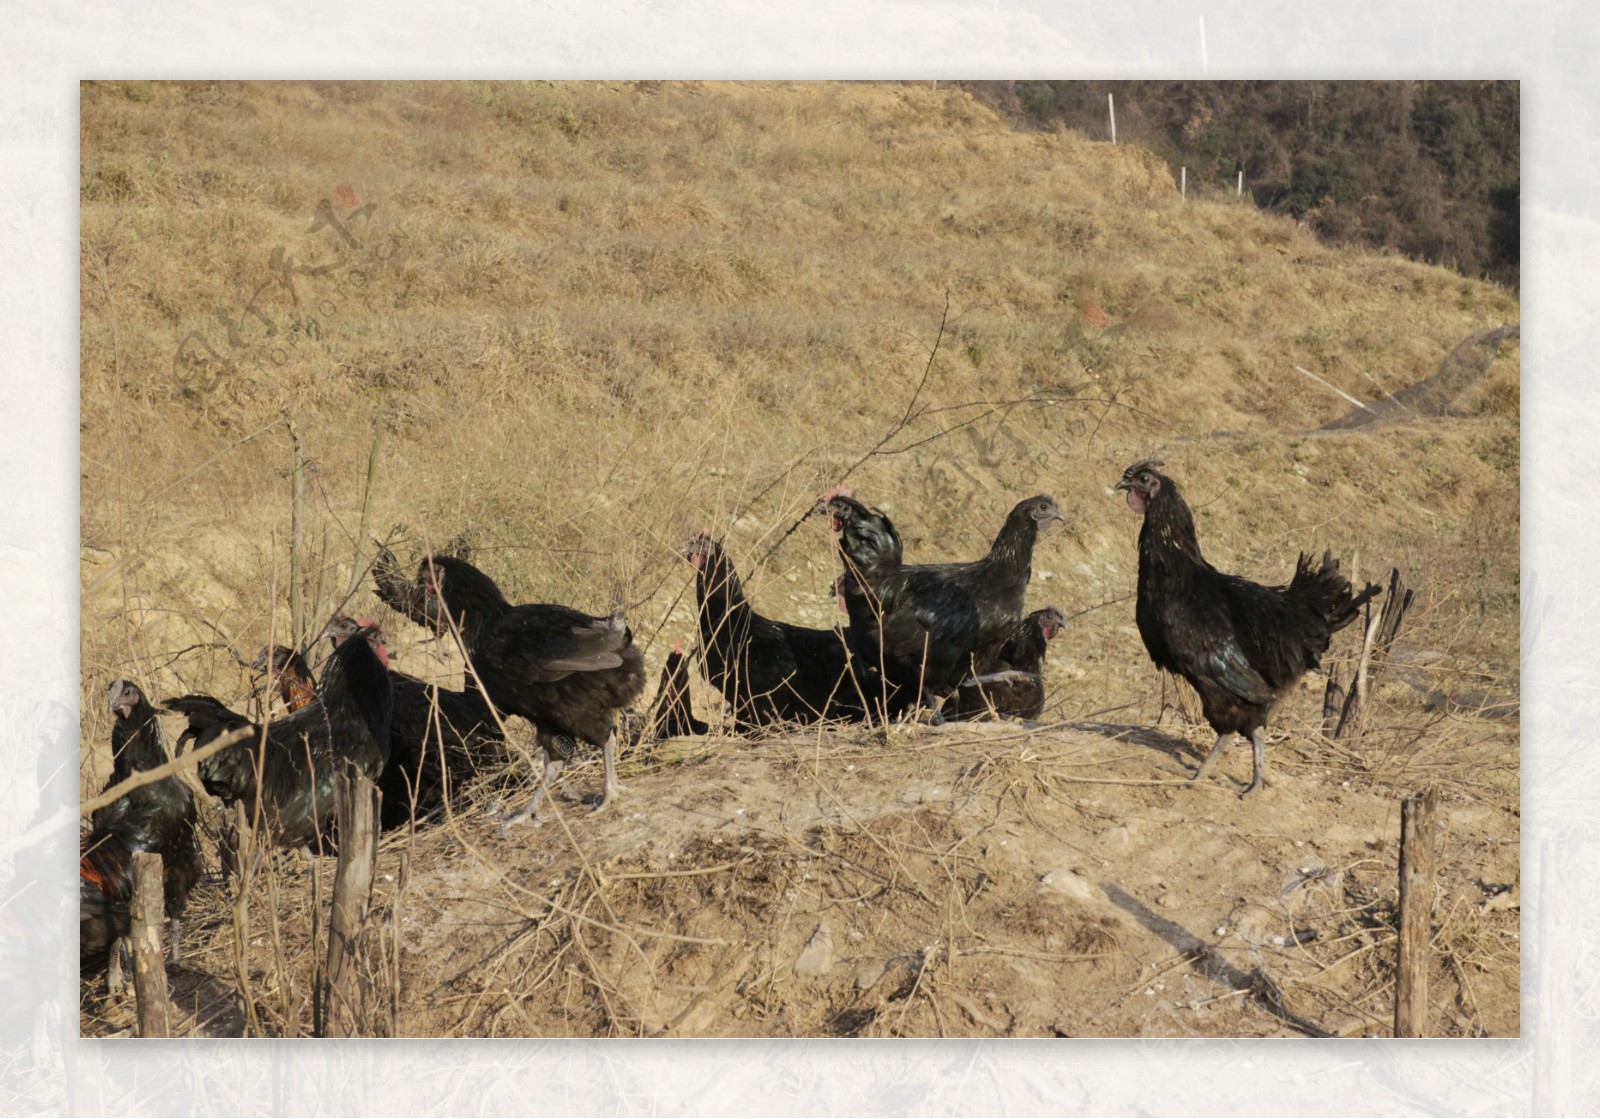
(1111, 104)
(1240, 189)
(1183, 184)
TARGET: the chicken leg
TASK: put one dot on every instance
(1216, 752)
(552, 769)
(1258, 776)
(608, 755)
(115, 964)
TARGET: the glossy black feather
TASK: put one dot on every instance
(464, 732)
(768, 671)
(1014, 685)
(1240, 644)
(672, 714)
(565, 671)
(300, 755)
(439, 738)
(914, 625)
(404, 595)
(998, 582)
(158, 817)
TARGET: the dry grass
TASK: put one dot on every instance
(590, 318)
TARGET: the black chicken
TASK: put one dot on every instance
(464, 734)
(158, 817)
(1241, 645)
(1015, 683)
(914, 625)
(403, 595)
(998, 582)
(299, 756)
(768, 671)
(289, 670)
(564, 671)
(672, 715)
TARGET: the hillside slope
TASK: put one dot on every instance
(587, 319)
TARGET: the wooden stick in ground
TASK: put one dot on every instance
(1395, 605)
(1355, 706)
(1336, 693)
(1416, 906)
(146, 910)
(1382, 628)
(356, 808)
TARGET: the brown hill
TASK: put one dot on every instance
(586, 319)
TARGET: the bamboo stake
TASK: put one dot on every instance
(146, 912)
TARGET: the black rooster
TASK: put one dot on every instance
(768, 671)
(914, 625)
(428, 721)
(157, 817)
(1015, 683)
(671, 714)
(299, 756)
(564, 671)
(1241, 645)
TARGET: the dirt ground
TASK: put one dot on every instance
(986, 879)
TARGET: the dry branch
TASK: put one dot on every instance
(1381, 631)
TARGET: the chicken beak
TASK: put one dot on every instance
(1124, 485)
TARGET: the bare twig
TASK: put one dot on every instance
(906, 417)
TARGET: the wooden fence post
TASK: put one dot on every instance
(146, 910)
(1416, 907)
(356, 809)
